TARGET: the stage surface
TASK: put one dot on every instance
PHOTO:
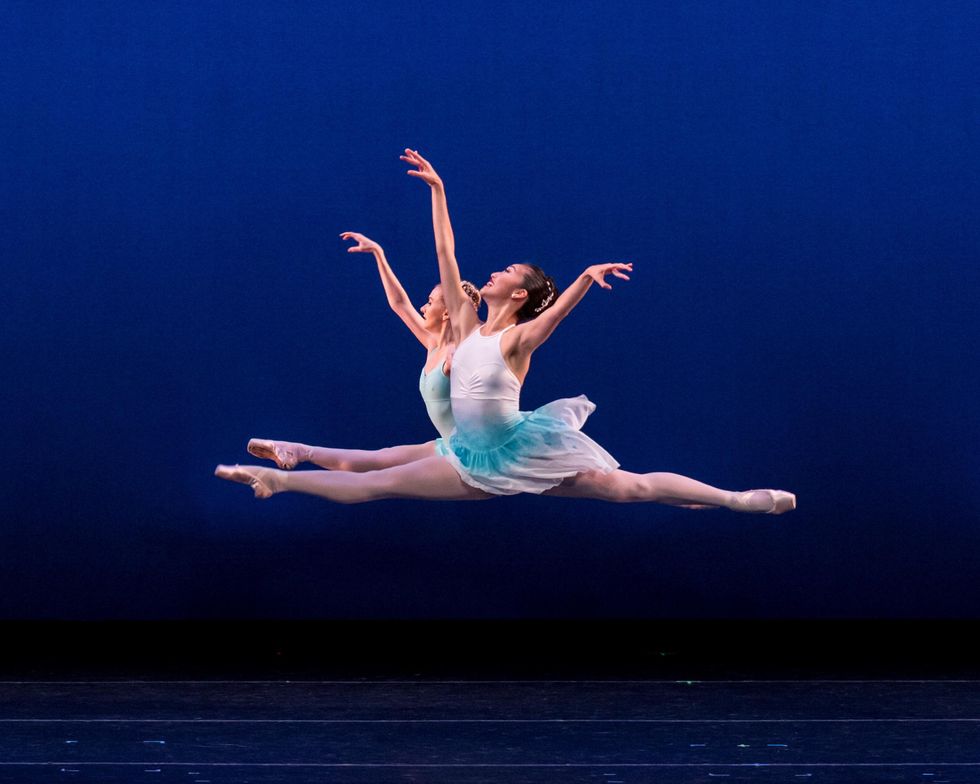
(508, 702)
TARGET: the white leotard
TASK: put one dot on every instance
(485, 393)
(500, 449)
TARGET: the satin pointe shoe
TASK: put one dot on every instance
(778, 501)
(285, 454)
(259, 479)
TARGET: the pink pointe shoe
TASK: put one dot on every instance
(285, 454)
(261, 480)
(774, 502)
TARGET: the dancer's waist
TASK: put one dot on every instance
(485, 424)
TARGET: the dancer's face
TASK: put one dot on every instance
(504, 284)
(434, 310)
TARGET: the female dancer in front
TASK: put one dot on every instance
(496, 449)
(433, 330)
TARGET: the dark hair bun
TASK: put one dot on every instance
(541, 293)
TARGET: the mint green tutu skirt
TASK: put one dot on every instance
(532, 452)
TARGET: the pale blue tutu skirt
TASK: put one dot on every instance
(544, 447)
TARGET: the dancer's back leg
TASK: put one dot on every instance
(289, 454)
(431, 478)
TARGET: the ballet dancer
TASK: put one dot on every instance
(495, 448)
(433, 330)
(431, 326)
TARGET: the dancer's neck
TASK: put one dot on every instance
(498, 320)
(444, 337)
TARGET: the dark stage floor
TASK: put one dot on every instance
(517, 702)
(463, 732)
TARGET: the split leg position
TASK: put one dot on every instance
(433, 478)
(621, 487)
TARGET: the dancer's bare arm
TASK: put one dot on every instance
(397, 297)
(531, 334)
(460, 307)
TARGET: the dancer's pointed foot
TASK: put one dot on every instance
(286, 454)
(763, 501)
(264, 481)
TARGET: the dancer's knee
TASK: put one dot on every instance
(360, 461)
(360, 487)
(628, 488)
(389, 457)
(615, 486)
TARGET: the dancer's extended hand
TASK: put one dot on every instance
(424, 170)
(364, 245)
(598, 272)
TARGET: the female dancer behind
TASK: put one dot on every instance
(497, 449)
(434, 331)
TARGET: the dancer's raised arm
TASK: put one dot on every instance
(459, 306)
(532, 334)
(397, 297)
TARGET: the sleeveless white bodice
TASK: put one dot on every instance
(502, 450)
(485, 392)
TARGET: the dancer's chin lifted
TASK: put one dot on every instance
(265, 482)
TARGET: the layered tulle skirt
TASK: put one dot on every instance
(527, 452)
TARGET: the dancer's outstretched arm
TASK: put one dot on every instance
(460, 307)
(531, 334)
(398, 299)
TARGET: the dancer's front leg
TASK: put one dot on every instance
(672, 489)
(432, 478)
(289, 454)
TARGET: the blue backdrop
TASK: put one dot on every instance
(795, 183)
